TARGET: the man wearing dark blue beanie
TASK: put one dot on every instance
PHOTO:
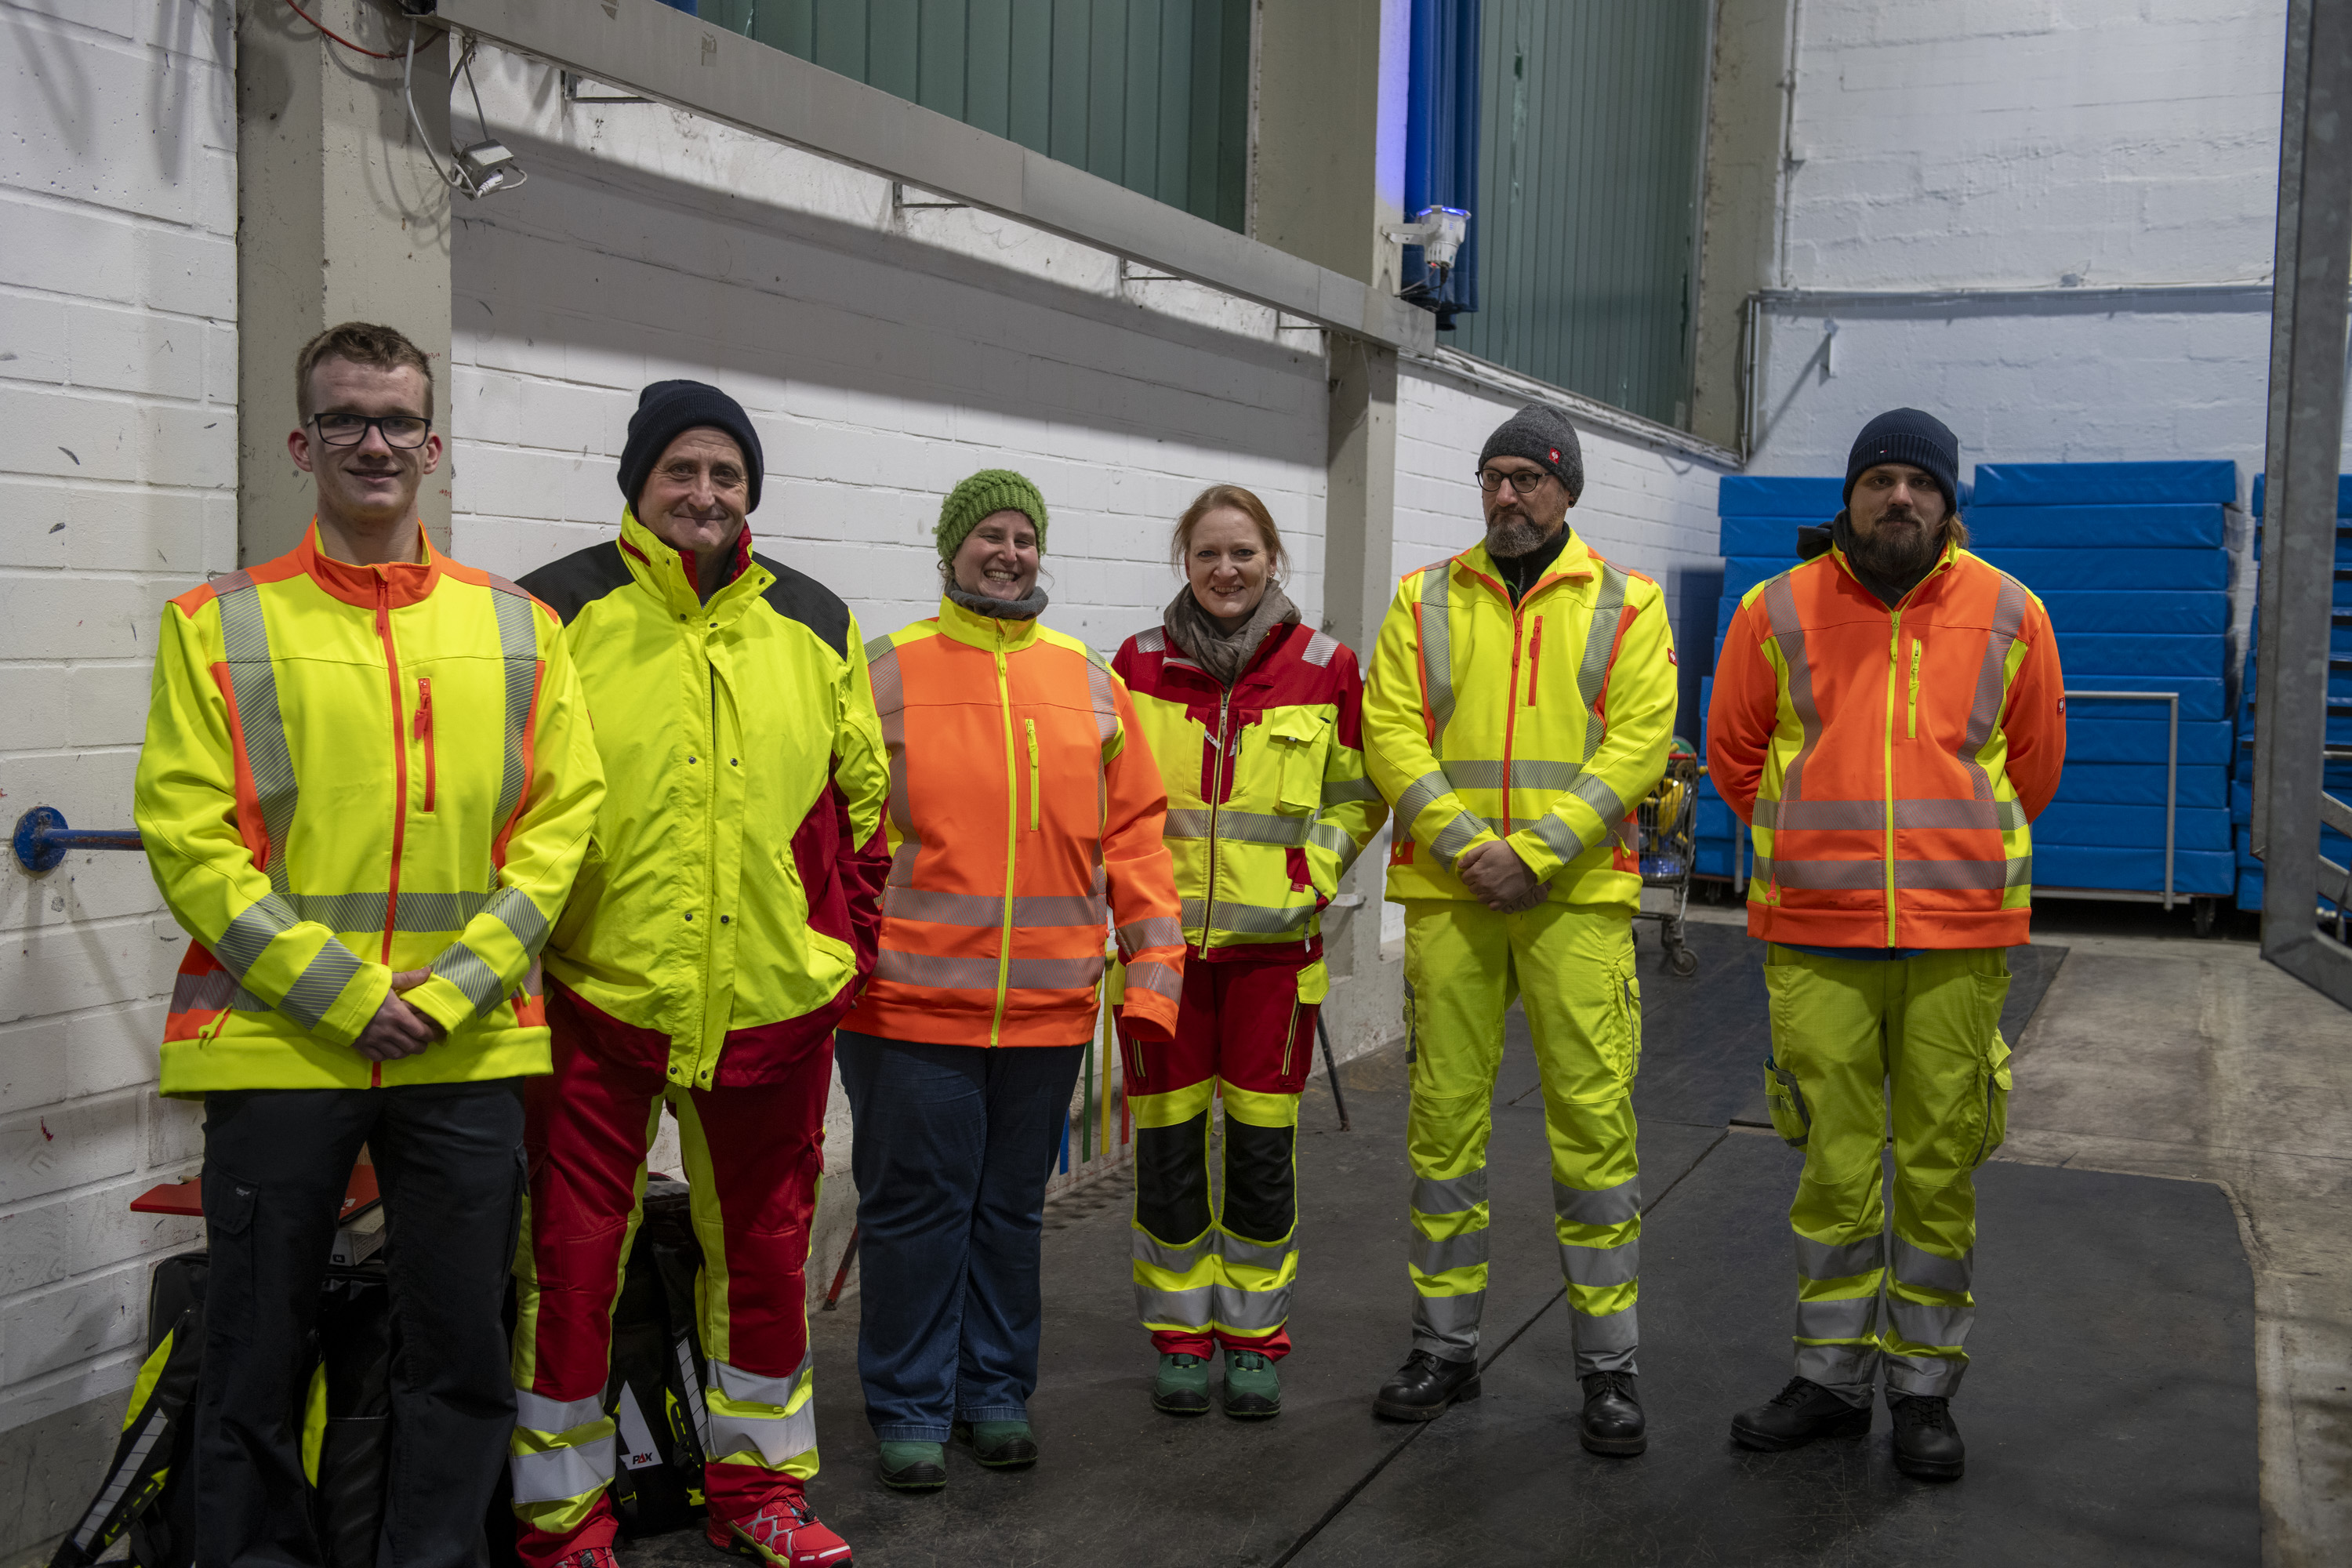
(1902, 501)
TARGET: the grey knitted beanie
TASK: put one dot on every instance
(1541, 434)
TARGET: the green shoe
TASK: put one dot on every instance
(1000, 1445)
(1253, 1388)
(1182, 1386)
(914, 1467)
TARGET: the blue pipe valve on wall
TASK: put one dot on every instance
(42, 839)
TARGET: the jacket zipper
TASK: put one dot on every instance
(1216, 793)
(1012, 841)
(424, 734)
(1511, 714)
(1894, 670)
(1032, 724)
(399, 785)
(1290, 1034)
(1535, 661)
(1914, 733)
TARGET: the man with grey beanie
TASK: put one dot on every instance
(1520, 702)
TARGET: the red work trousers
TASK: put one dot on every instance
(1219, 1273)
(753, 1157)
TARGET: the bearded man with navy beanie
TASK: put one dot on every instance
(727, 918)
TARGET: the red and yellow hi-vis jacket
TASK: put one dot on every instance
(1022, 795)
(1542, 724)
(349, 772)
(1267, 801)
(1889, 760)
(726, 913)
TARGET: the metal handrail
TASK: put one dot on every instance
(2171, 763)
(42, 839)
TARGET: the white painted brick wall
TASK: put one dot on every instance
(2012, 142)
(118, 366)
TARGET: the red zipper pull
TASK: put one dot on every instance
(424, 706)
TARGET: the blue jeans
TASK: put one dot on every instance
(952, 1147)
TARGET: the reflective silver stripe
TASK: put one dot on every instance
(1931, 1272)
(1788, 631)
(552, 1417)
(1257, 920)
(1823, 1260)
(212, 992)
(1438, 1254)
(757, 1388)
(1594, 1267)
(1964, 874)
(1607, 1206)
(1149, 1250)
(1338, 790)
(1436, 648)
(352, 911)
(1870, 816)
(1846, 876)
(1241, 826)
(1445, 1324)
(1854, 1318)
(154, 1423)
(253, 682)
(557, 1474)
(1250, 1312)
(1557, 837)
(1419, 796)
(776, 1437)
(2007, 616)
(1930, 1322)
(331, 968)
(1156, 977)
(519, 646)
(463, 967)
(1615, 1332)
(513, 909)
(902, 862)
(1248, 1254)
(1098, 689)
(1458, 1194)
(1455, 837)
(1478, 772)
(1331, 836)
(1179, 1309)
(890, 686)
(1597, 793)
(1600, 649)
(985, 911)
(257, 925)
(1158, 931)
(1319, 649)
(1154, 640)
(941, 972)
(1843, 1367)
(1933, 1376)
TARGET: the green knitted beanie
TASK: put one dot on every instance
(989, 490)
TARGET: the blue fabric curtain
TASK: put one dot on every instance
(1441, 157)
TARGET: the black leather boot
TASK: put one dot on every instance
(1424, 1385)
(1796, 1416)
(1612, 1422)
(1927, 1446)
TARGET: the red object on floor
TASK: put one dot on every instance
(188, 1197)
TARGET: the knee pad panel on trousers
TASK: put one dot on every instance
(1261, 1191)
(1171, 1185)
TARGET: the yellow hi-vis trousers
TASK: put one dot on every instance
(1851, 1037)
(1572, 968)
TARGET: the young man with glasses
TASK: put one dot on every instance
(1519, 704)
(367, 782)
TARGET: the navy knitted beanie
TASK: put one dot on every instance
(668, 409)
(1907, 436)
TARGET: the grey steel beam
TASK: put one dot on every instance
(2302, 456)
(672, 58)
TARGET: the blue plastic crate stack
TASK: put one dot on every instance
(1759, 518)
(2338, 770)
(2132, 561)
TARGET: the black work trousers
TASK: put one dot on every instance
(450, 1161)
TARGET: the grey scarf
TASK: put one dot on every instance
(1225, 655)
(1027, 609)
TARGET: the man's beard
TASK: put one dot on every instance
(1899, 548)
(1513, 534)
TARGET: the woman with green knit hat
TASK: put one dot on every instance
(1025, 814)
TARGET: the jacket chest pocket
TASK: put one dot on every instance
(1294, 742)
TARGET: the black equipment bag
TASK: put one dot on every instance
(655, 1390)
(153, 1447)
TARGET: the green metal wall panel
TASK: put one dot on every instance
(1591, 126)
(1151, 94)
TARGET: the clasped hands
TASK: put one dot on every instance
(1495, 874)
(398, 1029)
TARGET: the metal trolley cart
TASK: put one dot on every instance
(1665, 838)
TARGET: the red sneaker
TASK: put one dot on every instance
(786, 1533)
(590, 1557)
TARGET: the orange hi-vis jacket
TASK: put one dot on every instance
(350, 772)
(1022, 795)
(1889, 759)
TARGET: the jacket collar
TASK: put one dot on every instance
(408, 582)
(992, 633)
(1574, 561)
(1942, 567)
(668, 573)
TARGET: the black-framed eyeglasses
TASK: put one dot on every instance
(404, 431)
(1524, 483)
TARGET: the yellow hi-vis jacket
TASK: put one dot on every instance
(726, 914)
(1569, 696)
(349, 772)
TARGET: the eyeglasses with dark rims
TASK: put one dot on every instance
(403, 432)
